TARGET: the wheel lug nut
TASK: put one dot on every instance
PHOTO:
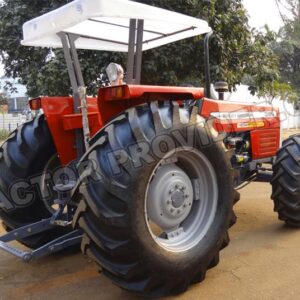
(186, 196)
(171, 210)
(168, 202)
(183, 188)
(178, 212)
(176, 186)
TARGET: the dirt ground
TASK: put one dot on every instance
(261, 262)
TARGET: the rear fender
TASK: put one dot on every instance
(63, 122)
(111, 101)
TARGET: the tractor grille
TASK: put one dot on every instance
(265, 143)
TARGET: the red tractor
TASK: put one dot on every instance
(144, 177)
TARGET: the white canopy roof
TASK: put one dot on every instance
(104, 25)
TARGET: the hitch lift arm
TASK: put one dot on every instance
(70, 239)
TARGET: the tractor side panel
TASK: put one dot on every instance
(63, 122)
(263, 123)
(265, 131)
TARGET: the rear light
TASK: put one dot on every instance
(35, 104)
(116, 92)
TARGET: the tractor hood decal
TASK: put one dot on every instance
(244, 115)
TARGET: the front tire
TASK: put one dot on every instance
(286, 182)
(157, 249)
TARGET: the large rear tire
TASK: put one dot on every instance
(25, 156)
(152, 234)
(286, 182)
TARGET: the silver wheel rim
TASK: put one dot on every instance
(181, 200)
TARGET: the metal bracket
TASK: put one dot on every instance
(196, 188)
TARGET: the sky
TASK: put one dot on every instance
(263, 12)
(260, 12)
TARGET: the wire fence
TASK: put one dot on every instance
(9, 122)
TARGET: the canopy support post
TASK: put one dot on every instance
(72, 39)
(135, 50)
(131, 51)
(76, 78)
(139, 51)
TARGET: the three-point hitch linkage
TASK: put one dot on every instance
(62, 217)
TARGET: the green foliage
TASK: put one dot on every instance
(264, 69)
(4, 134)
(3, 100)
(275, 89)
(235, 50)
(3, 97)
(288, 50)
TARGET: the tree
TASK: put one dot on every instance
(234, 50)
(276, 89)
(3, 111)
(3, 97)
(263, 71)
(3, 100)
(288, 9)
(287, 47)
